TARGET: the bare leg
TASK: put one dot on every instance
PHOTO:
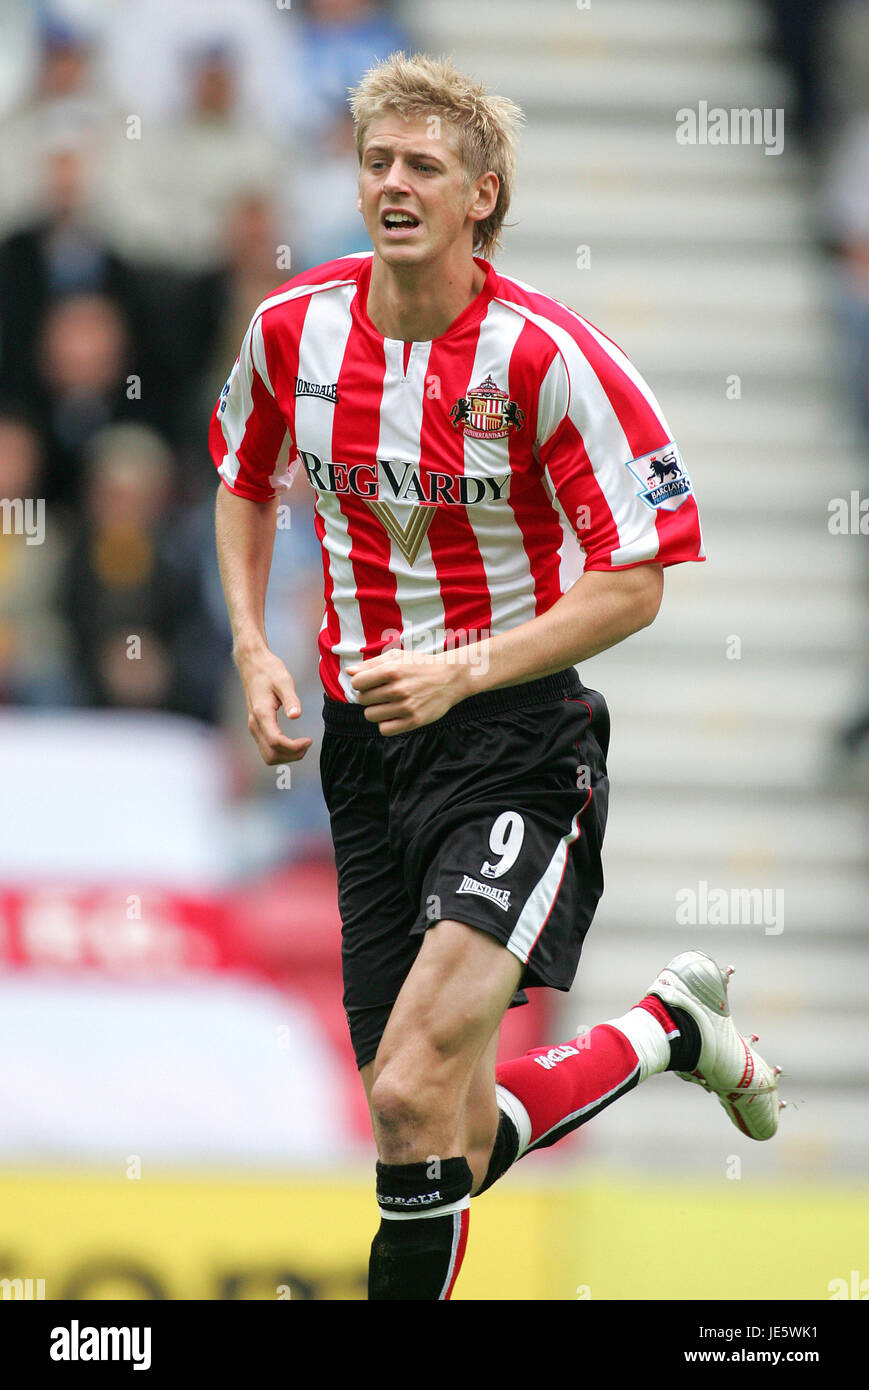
(431, 1087)
(480, 1120)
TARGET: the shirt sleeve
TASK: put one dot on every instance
(249, 440)
(611, 463)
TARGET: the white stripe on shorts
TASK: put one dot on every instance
(541, 900)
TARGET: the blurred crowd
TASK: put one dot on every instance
(163, 168)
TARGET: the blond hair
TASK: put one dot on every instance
(486, 126)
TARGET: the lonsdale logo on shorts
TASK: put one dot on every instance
(388, 483)
(499, 896)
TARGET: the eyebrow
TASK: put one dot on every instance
(410, 154)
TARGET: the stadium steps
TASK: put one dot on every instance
(613, 86)
(702, 266)
(658, 288)
(816, 909)
(742, 481)
(588, 209)
(636, 156)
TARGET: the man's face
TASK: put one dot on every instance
(413, 195)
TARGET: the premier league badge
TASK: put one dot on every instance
(665, 484)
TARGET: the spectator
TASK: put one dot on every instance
(131, 593)
(800, 37)
(260, 33)
(170, 187)
(84, 383)
(339, 39)
(846, 217)
(61, 101)
(59, 253)
(34, 657)
(846, 221)
(217, 312)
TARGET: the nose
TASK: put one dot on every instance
(396, 178)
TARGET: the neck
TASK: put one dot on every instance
(418, 303)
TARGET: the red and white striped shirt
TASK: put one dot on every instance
(451, 475)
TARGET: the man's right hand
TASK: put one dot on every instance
(268, 687)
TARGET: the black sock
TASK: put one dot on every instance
(417, 1253)
(504, 1152)
(684, 1050)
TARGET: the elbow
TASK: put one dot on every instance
(649, 595)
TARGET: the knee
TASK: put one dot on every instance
(418, 1090)
(396, 1103)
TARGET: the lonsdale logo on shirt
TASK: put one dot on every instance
(392, 481)
(325, 391)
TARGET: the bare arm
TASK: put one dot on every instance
(245, 533)
(601, 609)
(402, 690)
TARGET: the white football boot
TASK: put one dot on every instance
(728, 1066)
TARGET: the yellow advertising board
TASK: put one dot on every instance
(94, 1236)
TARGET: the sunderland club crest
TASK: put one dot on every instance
(487, 412)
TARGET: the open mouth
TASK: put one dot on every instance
(399, 221)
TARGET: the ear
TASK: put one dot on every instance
(485, 196)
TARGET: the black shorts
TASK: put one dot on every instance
(492, 815)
